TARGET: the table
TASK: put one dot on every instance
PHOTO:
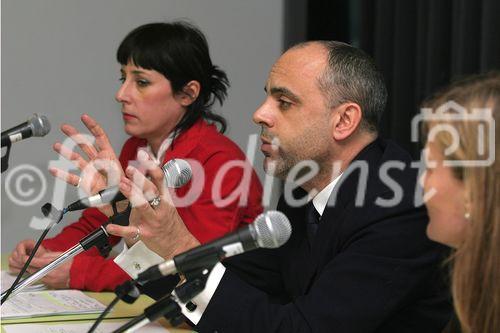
(121, 310)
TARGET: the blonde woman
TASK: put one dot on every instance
(464, 209)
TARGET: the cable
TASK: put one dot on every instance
(47, 210)
(127, 292)
(103, 314)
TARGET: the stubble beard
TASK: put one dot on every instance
(280, 165)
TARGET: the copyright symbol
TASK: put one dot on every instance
(25, 185)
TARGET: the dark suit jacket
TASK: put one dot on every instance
(370, 269)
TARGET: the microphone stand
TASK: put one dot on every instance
(196, 277)
(98, 238)
(127, 292)
(167, 306)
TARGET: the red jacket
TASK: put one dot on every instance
(201, 142)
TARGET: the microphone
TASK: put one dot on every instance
(269, 230)
(177, 174)
(35, 126)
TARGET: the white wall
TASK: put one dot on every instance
(58, 59)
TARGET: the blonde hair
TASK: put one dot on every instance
(476, 262)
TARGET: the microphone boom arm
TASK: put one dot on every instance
(98, 238)
(70, 253)
(167, 306)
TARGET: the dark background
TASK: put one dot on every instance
(419, 45)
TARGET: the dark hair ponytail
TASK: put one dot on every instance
(179, 51)
(218, 86)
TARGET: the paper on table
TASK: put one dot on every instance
(50, 302)
(8, 278)
(104, 327)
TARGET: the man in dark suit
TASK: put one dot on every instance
(358, 259)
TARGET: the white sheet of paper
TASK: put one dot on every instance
(49, 302)
(8, 278)
(104, 327)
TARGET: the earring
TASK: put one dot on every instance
(467, 216)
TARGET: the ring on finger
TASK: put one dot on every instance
(155, 202)
(137, 234)
(79, 182)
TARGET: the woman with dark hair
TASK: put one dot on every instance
(169, 85)
(179, 52)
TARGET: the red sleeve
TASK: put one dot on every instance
(204, 218)
(95, 273)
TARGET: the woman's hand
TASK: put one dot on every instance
(160, 228)
(21, 253)
(99, 169)
(57, 278)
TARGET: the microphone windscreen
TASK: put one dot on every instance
(177, 173)
(273, 229)
(40, 125)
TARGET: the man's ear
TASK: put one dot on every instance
(346, 119)
(189, 93)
